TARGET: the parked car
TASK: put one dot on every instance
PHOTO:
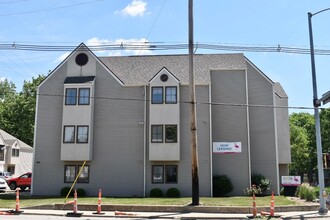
(5, 175)
(23, 181)
(3, 185)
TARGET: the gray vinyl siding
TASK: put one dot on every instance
(283, 130)
(48, 169)
(118, 137)
(117, 164)
(230, 87)
(184, 165)
(262, 127)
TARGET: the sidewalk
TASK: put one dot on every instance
(171, 215)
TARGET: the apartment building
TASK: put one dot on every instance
(126, 122)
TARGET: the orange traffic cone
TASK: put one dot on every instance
(17, 201)
(272, 204)
(16, 211)
(75, 207)
(99, 202)
(254, 206)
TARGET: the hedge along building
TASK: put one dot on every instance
(129, 118)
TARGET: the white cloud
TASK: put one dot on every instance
(126, 44)
(2, 79)
(135, 8)
(62, 57)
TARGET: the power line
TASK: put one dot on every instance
(189, 102)
(49, 9)
(163, 46)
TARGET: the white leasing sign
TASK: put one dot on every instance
(227, 147)
(291, 180)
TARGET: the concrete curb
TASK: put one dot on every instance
(178, 209)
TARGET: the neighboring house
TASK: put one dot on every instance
(129, 118)
(15, 155)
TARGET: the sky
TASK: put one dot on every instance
(235, 23)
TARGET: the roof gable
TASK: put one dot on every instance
(81, 48)
(11, 140)
(164, 69)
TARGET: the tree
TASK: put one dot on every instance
(303, 146)
(17, 113)
(325, 129)
(7, 89)
(299, 150)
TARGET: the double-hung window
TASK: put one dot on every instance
(171, 95)
(165, 174)
(72, 134)
(157, 95)
(71, 172)
(158, 174)
(82, 134)
(2, 153)
(71, 96)
(68, 134)
(171, 134)
(157, 133)
(84, 96)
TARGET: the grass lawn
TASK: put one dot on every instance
(8, 201)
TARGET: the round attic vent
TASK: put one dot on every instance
(81, 59)
(164, 77)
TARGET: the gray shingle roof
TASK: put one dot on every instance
(79, 79)
(279, 90)
(138, 70)
(9, 139)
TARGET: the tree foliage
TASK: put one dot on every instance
(325, 129)
(303, 141)
(17, 109)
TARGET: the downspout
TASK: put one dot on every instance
(276, 144)
(248, 125)
(211, 140)
(144, 140)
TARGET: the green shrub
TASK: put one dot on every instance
(156, 193)
(81, 192)
(307, 192)
(317, 191)
(173, 193)
(65, 191)
(256, 190)
(222, 185)
(260, 181)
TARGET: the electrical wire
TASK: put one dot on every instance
(50, 9)
(197, 102)
(161, 46)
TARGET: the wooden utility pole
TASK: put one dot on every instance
(193, 126)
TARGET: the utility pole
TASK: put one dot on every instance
(193, 126)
